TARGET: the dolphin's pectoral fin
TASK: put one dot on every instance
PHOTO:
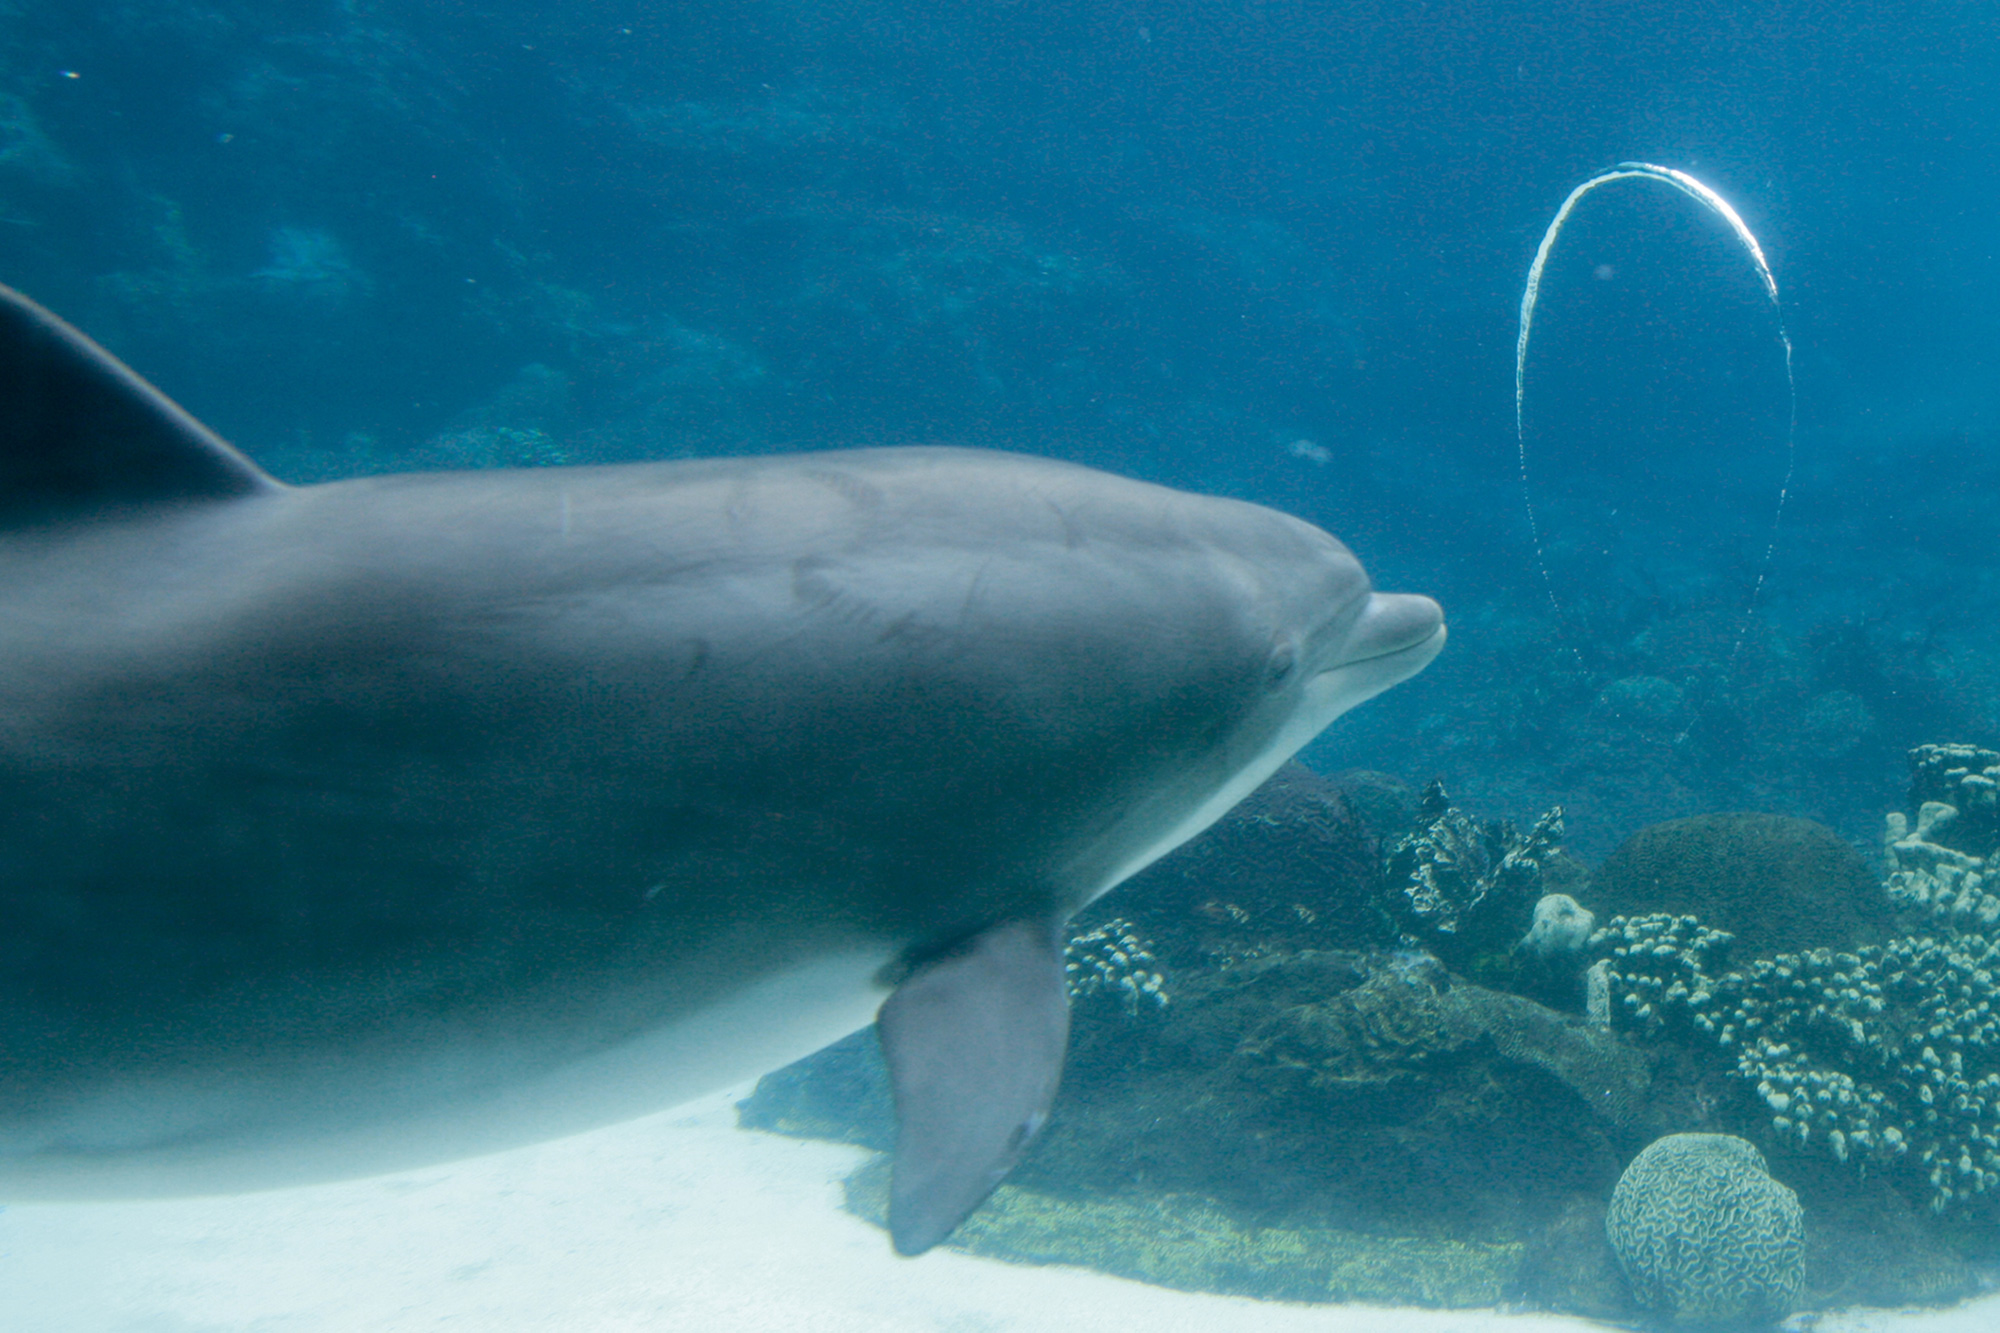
(974, 1042)
(82, 434)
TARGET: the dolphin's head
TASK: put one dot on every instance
(1334, 641)
(1130, 660)
(1309, 638)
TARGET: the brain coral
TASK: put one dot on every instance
(1704, 1234)
(1776, 883)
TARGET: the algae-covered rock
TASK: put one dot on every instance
(1354, 1091)
(1570, 1266)
(1705, 1235)
(839, 1093)
(1385, 804)
(1408, 1022)
(1778, 884)
(1369, 1091)
(1191, 1245)
(1867, 1244)
(1290, 867)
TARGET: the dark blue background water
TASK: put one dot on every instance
(1271, 249)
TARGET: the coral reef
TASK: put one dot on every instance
(1925, 875)
(1776, 883)
(1314, 1092)
(1290, 867)
(1111, 961)
(1967, 779)
(1656, 967)
(1312, 1123)
(1887, 1055)
(1562, 927)
(1457, 884)
(1704, 1234)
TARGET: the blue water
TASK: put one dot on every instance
(1266, 248)
(1269, 249)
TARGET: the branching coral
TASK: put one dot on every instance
(1113, 961)
(1887, 1054)
(1927, 875)
(1657, 967)
(1967, 779)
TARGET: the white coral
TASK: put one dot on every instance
(1561, 929)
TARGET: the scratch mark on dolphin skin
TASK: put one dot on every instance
(739, 505)
(815, 587)
(810, 586)
(972, 590)
(565, 513)
(697, 658)
(1072, 536)
(859, 493)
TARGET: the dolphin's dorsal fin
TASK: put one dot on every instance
(80, 434)
(974, 1041)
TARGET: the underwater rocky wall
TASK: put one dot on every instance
(1357, 1044)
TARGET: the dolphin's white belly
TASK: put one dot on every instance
(390, 1106)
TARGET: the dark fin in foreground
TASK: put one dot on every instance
(81, 434)
(974, 1041)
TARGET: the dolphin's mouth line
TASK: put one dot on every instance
(1436, 633)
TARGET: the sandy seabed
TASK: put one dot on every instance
(676, 1221)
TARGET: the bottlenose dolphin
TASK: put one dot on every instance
(368, 824)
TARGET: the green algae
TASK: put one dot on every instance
(1189, 1244)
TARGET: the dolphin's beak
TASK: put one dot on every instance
(1394, 623)
(1395, 637)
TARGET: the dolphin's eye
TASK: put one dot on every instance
(1284, 657)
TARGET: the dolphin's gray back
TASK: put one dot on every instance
(482, 731)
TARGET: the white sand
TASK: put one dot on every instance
(679, 1221)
